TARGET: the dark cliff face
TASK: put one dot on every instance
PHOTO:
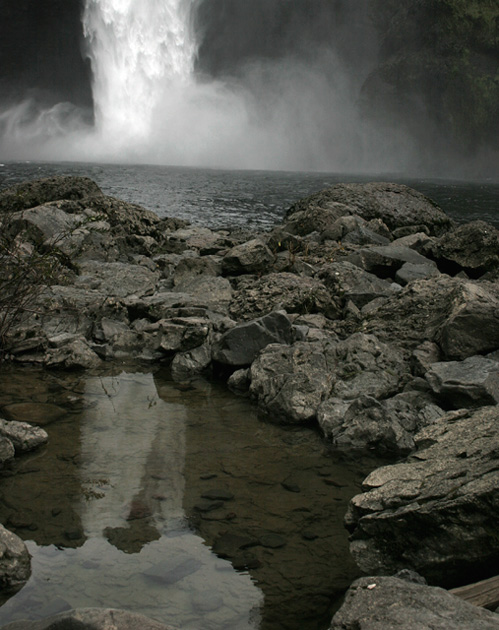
(40, 51)
(235, 33)
(438, 68)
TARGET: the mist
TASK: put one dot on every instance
(161, 95)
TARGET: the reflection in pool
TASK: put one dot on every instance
(174, 501)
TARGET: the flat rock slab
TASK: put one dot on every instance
(388, 603)
(469, 383)
(437, 512)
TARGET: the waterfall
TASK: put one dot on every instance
(138, 49)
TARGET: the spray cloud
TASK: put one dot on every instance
(150, 105)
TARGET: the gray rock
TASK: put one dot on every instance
(182, 334)
(190, 237)
(239, 381)
(389, 603)
(15, 563)
(472, 247)
(424, 356)
(396, 205)
(91, 619)
(22, 435)
(190, 268)
(473, 382)
(117, 279)
(281, 291)
(350, 282)
(43, 224)
(472, 324)
(365, 236)
(409, 272)
(459, 315)
(192, 362)
(291, 382)
(384, 427)
(251, 257)
(305, 218)
(76, 354)
(164, 305)
(385, 261)
(241, 345)
(7, 450)
(213, 292)
(437, 512)
(38, 192)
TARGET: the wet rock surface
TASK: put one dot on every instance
(368, 314)
(382, 603)
(435, 512)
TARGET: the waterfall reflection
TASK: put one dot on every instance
(132, 474)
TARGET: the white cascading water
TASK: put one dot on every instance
(291, 113)
(138, 49)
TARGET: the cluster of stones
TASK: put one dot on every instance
(368, 312)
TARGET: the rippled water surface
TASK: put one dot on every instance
(218, 198)
(175, 501)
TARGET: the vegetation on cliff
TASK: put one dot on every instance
(440, 59)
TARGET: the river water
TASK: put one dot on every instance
(175, 500)
(252, 199)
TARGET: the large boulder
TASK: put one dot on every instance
(117, 279)
(472, 323)
(41, 191)
(380, 426)
(460, 315)
(251, 257)
(385, 260)
(396, 205)
(281, 291)
(473, 382)
(391, 603)
(15, 563)
(240, 345)
(351, 283)
(472, 247)
(91, 619)
(291, 382)
(437, 512)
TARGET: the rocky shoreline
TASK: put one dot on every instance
(368, 313)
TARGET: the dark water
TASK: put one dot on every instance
(115, 514)
(256, 199)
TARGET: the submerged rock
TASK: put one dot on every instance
(91, 619)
